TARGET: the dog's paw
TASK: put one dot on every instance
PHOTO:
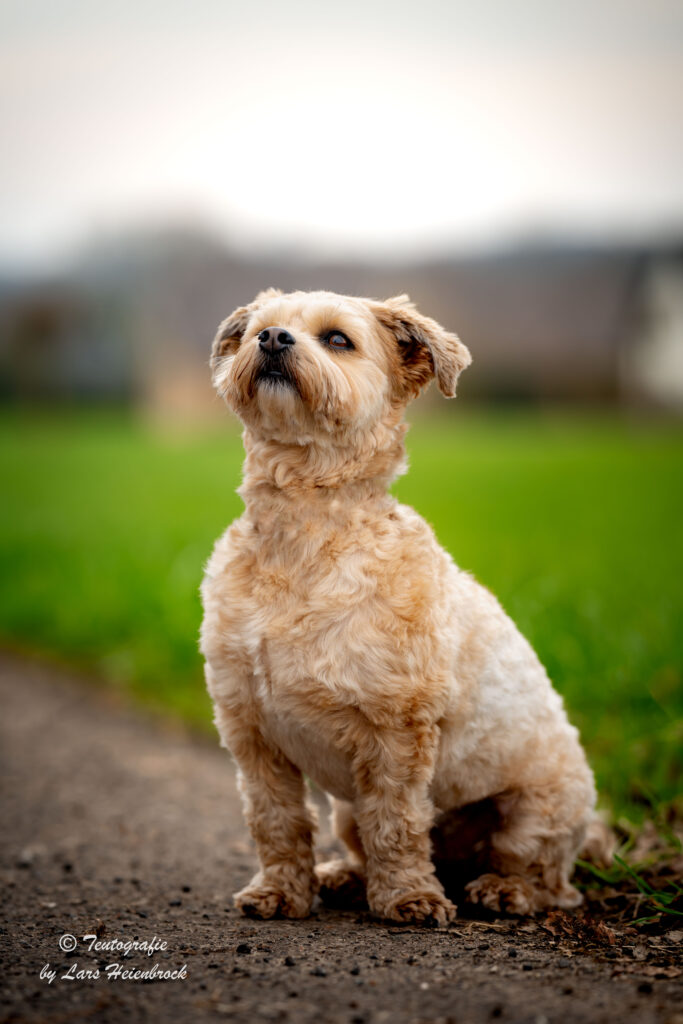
(268, 899)
(341, 885)
(512, 894)
(429, 908)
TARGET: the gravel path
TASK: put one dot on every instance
(123, 827)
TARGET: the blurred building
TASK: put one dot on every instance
(653, 366)
(134, 320)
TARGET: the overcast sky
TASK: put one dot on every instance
(362, 126)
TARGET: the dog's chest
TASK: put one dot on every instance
(309, 656)
(294, 592)
(310, 628)
(330, 622)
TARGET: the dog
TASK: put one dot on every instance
(342, 643)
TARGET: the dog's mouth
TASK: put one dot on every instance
(274, 370)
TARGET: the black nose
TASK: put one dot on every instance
(274, 339)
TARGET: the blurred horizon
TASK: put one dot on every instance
(151, 233)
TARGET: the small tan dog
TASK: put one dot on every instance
(342, 642)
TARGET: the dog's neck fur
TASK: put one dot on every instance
(357, 467)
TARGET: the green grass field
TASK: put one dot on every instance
(574, 521)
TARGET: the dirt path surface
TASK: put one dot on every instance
(119, 826)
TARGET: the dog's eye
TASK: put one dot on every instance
(335, 339)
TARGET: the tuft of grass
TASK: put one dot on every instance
(661, 901)
(642, 885)
(572, 520)
(666, 899)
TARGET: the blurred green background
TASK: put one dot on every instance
(572, 519)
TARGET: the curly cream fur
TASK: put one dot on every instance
(343, 643)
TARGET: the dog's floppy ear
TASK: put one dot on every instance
(426, 349)
(229, 335)
(230, 332)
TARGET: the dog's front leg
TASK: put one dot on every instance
(274, 798)
(394, 814)
(273, 794)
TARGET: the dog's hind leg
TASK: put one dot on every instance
(342, 881)
(531, 855)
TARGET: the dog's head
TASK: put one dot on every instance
(295, 367)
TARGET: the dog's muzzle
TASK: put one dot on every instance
(275, 344)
